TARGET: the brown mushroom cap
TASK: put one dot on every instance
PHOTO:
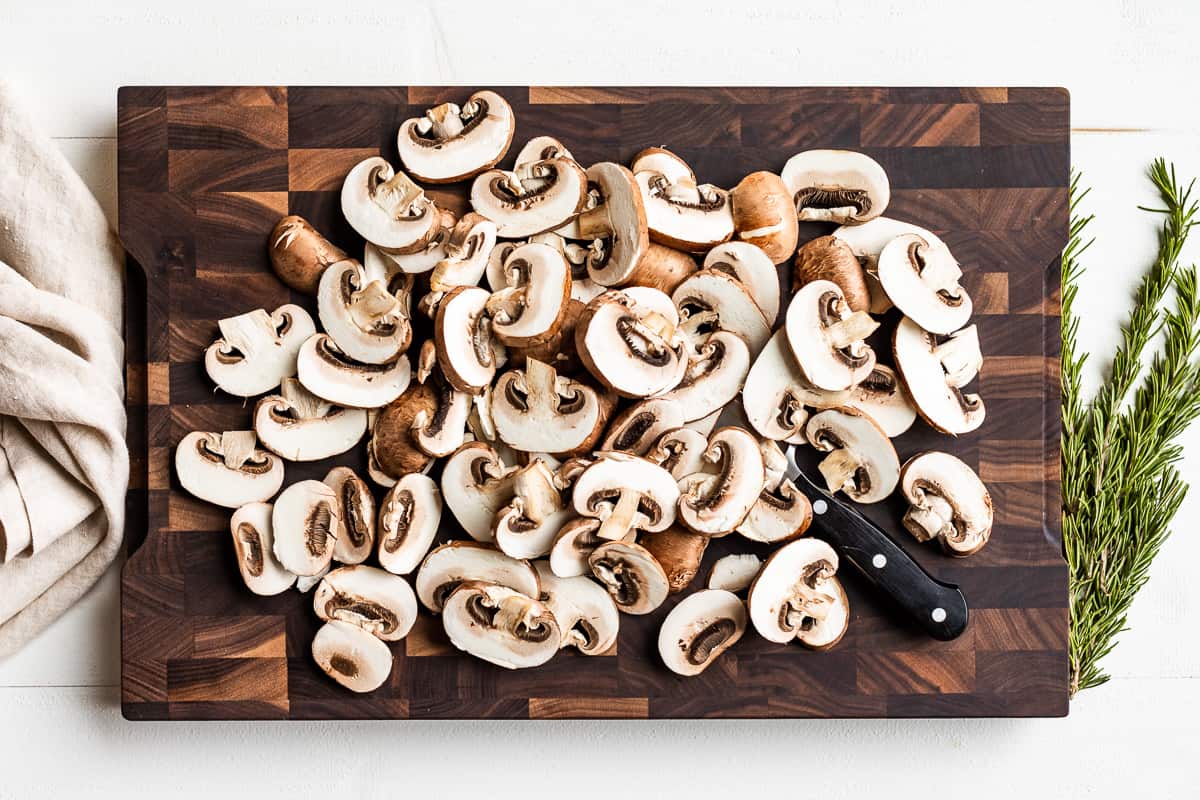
(828, 258)
(764, 215)
(396, 450)
(947, 501)
(679, 552)
(299, 254)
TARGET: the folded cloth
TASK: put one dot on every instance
(64, 466)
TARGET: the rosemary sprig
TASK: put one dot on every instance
(1119, 449)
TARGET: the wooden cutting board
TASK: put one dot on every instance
(204, 174)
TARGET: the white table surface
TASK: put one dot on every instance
(1131, 68)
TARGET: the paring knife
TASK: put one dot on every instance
(939, 608)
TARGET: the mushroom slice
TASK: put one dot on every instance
(536, 196)
(393, 446)
(423, 259)
(355, 536)
(861, 461)
(882, 397)
(442, 432)
(798, 596)
(699, 629)
(501, 626)
(630, 344)
(714, 376)
(679, 213)
(753, 269)
(476, 484)
(574, 544)
(540, 148)
(299, 254)
(528, 525)
(305, 523)
(867, 242)
(299, 426)
(626, 493)
(637, 428)
(775, 393)
(922, 280)
(614, 222)
(828, 258)
(379, 602)
(586, 614)
(466, 350)
(386, 208)
(734, 572)
(679, 552)
(836, 186)
(452, 563)
(935, 373)
(408, 523)
(712, 299)
(226, 468)
(716, 499)
(257, 350)
(529, 310)
(782, 512)
(680, 451)
(764, 215)
(827, 338)
(451, 143)
(365, 312)
(351, 656)
(947, 502)
(330, 374)
(634, 579)
(467, 251)
(537, 411)
(250, 527)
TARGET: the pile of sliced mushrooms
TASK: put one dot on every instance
(585, 328)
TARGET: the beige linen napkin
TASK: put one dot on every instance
(64, 466)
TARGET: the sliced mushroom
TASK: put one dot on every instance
(614, 222)
(630, 341)
(922, 280)
(734, 572)
(227, 469)
(365, 313)
(442, 431)
(764, 215)
(947, 502)
(883, 398)
(828, 258)
(299, 426)
(714, 376)
(680, 451)
(586, 614)
(827, 338)
(351, 656)
(468, 250)
(574, 543)
(782, 512)
(536, 410)
(699, 629)
(329, 373)
(836, 186)
(355, 536)
(716, 499)
(861, 461)
(537, 195)
(452, 563)
(476, 484)
(393, 445)
(250, 527)
(867, 242)
(798, 596)
(528, 525)
(634, 579)
(387, 209)
(753, 269)
(529, 310)
(299, 254)
(679, 213)
(626, 493)
(712, 299)
(501, 626)
(408, 523)
(679, 552)
(452, 143)
(305, 522)
(637, 428)
(935, 373)
(422, 259)
(467, 352)
(379, 602)
(257, 350)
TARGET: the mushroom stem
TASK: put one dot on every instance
(960, 356)
(304, 403)
(838, 469)
(237, 447)
(931, 520)
(445, 120)
(371, 303)
(851, 329)
(617, 524)
(245, 331)
(397, 194)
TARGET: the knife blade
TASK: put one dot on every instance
(937, 607)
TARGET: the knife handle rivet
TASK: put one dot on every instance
(879, 561)
(820, 507)
(938, 615)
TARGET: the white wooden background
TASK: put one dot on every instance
(1131, 67)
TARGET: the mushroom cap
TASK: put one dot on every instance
(538, 411)
(452, 144)
(947, 501)
(734, 572)
(630, 343)
(476, 484)
(257, 350)
(634, 579)
(528, 525)
(828, 258)
(305, 522)
(776, 392)
(638, 427)
(617, 222)
(586, 614)
(408, 523)
(935, 373)
(625, 493)
(781, 513)
(680, 214)
(466, 350)
(379, 602)
(714, 376)
(226, 469)
(355, 536)
(921, 279)
(500, 625)
(862, 461)
(250, 527)
(753, 268)
(699, 629)
(882, 396)
(351, 656)
(452, 563)
(530, 309)
(393, 445)
(299, 254)
(540, 148)
(797, 596)
(764, 215)
(329, 373)
(680, 451)
(836, 186)
(715, 500)
(827, 339)
(712, 298)
(386, 208)
(679, 552)
(299, 426)
(537, 196)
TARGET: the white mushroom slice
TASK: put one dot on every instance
(355, 537)
(537, 410)
(781, 513)
(351, 656)
(257, 350)
(452, 563)
(776, 393)
(586, 614)
(626, 493)
(629, 345)
(637, 428)
(922, 281)
(734, 572)
(305, 522)
(947, 502)
(714, 500)
(861, 461)
(226, 468)
(705, 425)
(775, 463)
(753, 269)
(574, 544)
(528, 525)
(299, 426)
(764, 215)
(386, 208)
(530, 309)
(379, 602)
(393, 449)
(935, 372)
(306, 583)
(797, 596)
(867, 242)
(535, 196)
(698, 630)
(680, 451)
(614, 222)
(467, 252)
(634, 579)
(501, 626)
(715, 374)
(250, 527)
(408, 523)
(366, 314)
(329, 373)
(476, 484)
(441, 432)
(540, 148)
(467, 352)
(828, 258)
(827, 338)
(679, 213)
(712, 299)
(419, 260)
(836, 186)
(882, 397)
(452, 143)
